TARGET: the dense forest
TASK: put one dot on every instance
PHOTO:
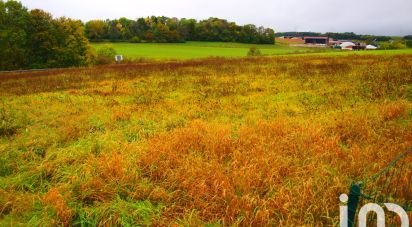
(171, 30)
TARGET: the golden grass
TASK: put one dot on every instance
(249, 142)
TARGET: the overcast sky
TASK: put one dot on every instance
(379, 17)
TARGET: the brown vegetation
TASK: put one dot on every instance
(249, 142)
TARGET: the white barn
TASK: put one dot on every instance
(347, 45)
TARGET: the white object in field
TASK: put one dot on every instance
(118, 58)
(347, 45)
(371, 47)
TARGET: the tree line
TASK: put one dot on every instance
(34, 39)
(171, 30)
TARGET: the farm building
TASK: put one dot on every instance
(359, 47)
(316, 40)
(347, 45)
(334, 42)
(291, 37)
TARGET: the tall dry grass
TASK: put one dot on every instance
(248, 142)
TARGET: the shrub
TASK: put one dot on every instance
(105, 55)
(135, 39)
(392, 45)
(398, 45)
(409, 43)
(254, 51)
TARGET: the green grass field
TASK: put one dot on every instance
(192, 50)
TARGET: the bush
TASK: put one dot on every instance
(398, 45)
(254, 51)
(409, 43)
(392, 45)
(135, 39)
(105, 55)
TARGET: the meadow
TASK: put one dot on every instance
(218, 141)
(193, 50)
(196, 50)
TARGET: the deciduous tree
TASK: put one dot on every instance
(95, 30)
(14, 18)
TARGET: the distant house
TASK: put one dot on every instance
(316, 40)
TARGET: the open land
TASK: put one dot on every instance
(217, 141)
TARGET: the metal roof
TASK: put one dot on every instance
(315, 37)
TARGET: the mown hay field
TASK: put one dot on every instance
(249, 142)
(191, 50)
(201, 50)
